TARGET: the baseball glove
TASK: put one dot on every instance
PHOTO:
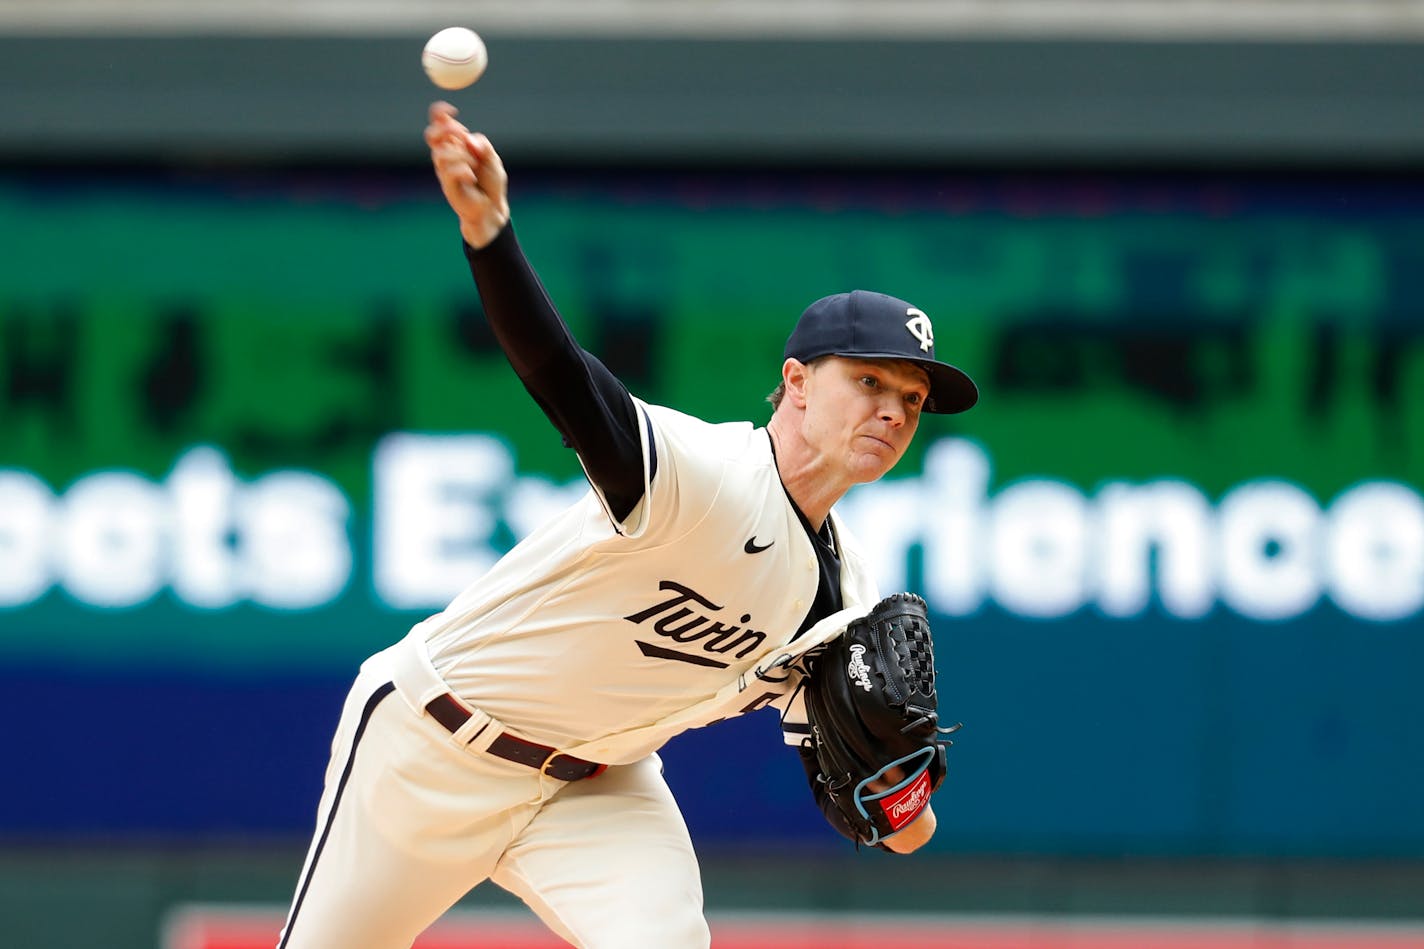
(870, 700)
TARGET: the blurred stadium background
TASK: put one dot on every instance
(251, 428)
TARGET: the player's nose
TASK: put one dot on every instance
(892, 412)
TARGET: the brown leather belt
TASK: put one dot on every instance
(447, 710)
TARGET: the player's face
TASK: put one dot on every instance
(862, 413)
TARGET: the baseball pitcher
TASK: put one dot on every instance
(514, 735)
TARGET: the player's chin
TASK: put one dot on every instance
(871, 465)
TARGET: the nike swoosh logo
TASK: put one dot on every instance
(752, 547)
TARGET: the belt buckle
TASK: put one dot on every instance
(583, 769)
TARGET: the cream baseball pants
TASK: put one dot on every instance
(413, 817)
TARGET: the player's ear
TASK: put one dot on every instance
(794, 374)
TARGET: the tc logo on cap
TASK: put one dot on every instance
(863, 324)
(920, 327)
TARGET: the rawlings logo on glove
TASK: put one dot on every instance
(905, 807)
(857, 669)
(870, 698)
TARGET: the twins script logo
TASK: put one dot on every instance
(680, 618)
(857, 669)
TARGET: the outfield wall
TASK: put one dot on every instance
(1176, 556)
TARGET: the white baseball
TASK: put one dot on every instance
(454, 58)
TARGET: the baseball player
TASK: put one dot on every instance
(514, 735)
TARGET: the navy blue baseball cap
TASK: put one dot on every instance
(869, 325)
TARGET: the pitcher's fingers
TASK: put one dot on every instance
(490, 164)
(435, 135)
(443, 122)
(461, 186)
(448, 156)
(441, 129)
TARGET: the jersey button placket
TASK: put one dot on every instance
(810, 568)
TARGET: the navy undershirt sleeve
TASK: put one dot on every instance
(589, 406)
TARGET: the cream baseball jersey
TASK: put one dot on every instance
(605, 639)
